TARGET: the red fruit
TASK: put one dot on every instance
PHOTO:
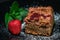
(14, 27)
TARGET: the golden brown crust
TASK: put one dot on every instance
(39, 21)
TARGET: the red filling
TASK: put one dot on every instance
(36, 15)
(48, 16)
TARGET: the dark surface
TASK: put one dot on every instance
(4, 7)
(3, 1)
(6, 35)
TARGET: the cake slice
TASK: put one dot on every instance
(39, 21)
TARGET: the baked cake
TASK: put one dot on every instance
(39, 21)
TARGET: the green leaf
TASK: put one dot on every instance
(23, 12)
(14, 7)
(7, 19)
(19, 17)
(21, 9)
(17, 14)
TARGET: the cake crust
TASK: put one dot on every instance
(39, 21)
